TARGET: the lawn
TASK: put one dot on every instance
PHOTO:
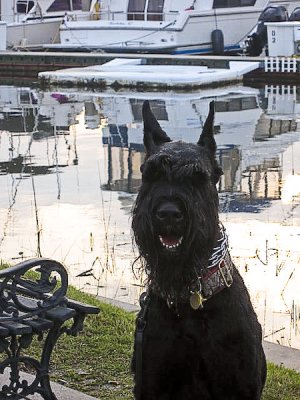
(97, 362)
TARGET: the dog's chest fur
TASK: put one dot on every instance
(209, 344)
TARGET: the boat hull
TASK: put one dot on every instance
(35, 33)
(192, 35)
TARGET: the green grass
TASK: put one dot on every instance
(97, 362)
(282, 384)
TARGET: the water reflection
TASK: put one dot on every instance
(69, 172)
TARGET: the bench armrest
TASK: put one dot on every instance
(47, 288)
(82, 307)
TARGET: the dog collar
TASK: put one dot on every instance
(217, 278)
(218, 274)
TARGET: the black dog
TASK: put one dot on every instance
(197, 335)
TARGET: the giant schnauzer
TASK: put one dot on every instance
(197, 335)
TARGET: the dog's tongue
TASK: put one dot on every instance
(170, 241)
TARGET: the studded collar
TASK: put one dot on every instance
(218, 275)
(217, 278)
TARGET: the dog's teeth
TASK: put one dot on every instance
(170, 246)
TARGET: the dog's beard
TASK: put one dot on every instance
(171, 272)
(170, 276)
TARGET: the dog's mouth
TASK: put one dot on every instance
(170, 243)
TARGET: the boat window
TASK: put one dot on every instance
(155, 10)
(23, 7)
(77, 4)
(65, 5)
(158, 108)
(136, 9)
(233, 3)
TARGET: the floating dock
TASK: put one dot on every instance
(25, 65)
(122, 72)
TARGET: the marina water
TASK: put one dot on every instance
(69, 174)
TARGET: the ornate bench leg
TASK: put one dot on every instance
(53, 335)
(17, 387)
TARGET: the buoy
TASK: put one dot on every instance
(217, 39)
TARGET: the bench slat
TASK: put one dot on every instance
(3, 331)
(39, 324)
(16, 328)
(60, 314)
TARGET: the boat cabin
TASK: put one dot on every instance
(160, 10)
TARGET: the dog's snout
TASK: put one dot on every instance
(169, 212)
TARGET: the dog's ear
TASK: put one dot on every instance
(207, 136)
(153, 134)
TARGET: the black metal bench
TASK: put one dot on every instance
(34, 304)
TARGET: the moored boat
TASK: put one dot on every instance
(36, 22)
(161, 26)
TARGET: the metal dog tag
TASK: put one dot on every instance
(196, 300)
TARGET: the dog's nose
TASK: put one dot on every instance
(169, 212)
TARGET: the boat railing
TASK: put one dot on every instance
(108, 15)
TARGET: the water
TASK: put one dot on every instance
(69, 173)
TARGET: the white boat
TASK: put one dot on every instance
(36, 22)
(161, 26)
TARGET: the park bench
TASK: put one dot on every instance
(34, 304)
